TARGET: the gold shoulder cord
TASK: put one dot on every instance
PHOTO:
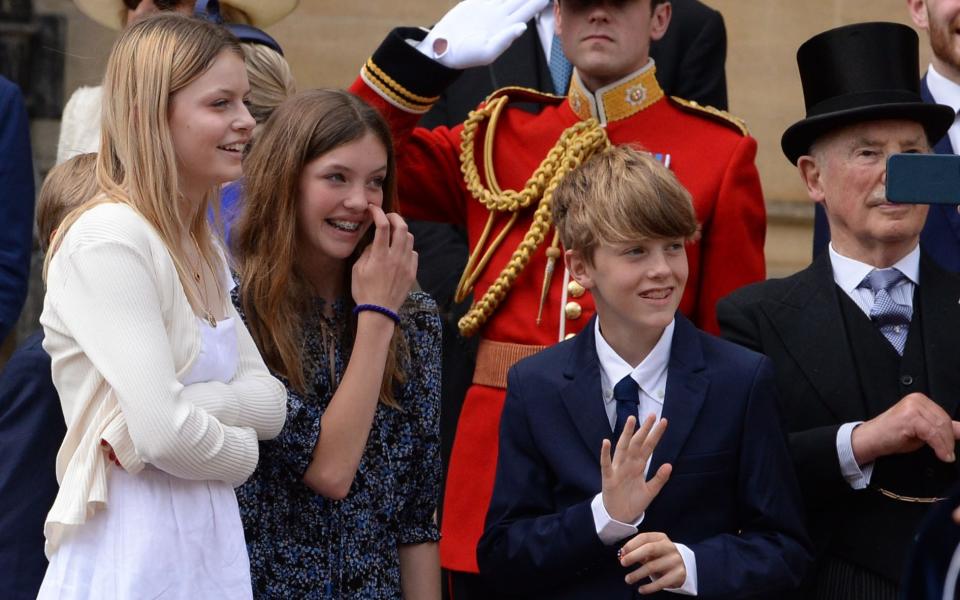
(575, 145)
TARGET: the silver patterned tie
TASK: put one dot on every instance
(892, 318)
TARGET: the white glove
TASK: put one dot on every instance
(475, 32)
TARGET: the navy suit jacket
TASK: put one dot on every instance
(16, 205)
(935, 545)
(940, 237)
(31, 431)
(732, 497)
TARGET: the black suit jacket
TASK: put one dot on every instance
(731, 498)
(797, 322)
(691, 55)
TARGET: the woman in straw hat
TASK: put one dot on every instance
(80, 124)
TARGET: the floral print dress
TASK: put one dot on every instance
(303, 545)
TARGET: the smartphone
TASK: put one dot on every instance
(923, 178)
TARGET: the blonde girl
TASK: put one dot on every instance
(151, 362)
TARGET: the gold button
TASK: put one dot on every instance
(573, 310)
(569, 335)
(575, 290)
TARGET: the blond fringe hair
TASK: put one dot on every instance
(67, 186)
(136, 165)
(271, 81)
(274, 293)
(621, 195)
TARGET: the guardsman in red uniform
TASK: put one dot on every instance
(495, 174)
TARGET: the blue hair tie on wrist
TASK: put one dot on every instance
(383, 310)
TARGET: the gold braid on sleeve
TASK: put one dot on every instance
(577, 143)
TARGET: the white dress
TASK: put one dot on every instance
(160, 536)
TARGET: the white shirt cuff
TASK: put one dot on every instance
(689, 587)
(425, 47)
(857, 477)
(609, 529)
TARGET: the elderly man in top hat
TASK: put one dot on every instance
(80, 124)
(862, 340)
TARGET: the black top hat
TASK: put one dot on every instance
(857, 73)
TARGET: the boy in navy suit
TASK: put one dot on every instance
(720, 514)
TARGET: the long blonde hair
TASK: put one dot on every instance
(136, 165)
(271, 81)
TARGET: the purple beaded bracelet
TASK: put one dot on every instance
(383, 310)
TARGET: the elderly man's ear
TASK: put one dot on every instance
(810, 175)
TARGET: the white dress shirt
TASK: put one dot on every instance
(651, 376)
(848, 274)
(545, 29)
(946, 92)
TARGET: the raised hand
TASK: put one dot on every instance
(475, 32)
(914, 421)
(626, 492)
(387, 268)
(658, 558)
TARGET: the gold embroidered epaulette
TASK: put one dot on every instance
(515, 93)
(716, 114)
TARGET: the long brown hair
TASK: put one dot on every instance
(274, 292)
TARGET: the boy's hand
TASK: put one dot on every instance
(659, 558)
(626, 493)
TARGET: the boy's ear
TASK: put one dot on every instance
(577, 266)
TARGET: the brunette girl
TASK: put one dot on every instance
(342, 504)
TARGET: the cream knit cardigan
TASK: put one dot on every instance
(120, 333)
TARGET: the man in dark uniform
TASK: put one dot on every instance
(863, 340)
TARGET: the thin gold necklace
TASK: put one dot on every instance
(207, 314)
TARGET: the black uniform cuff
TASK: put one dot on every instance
(404, 75)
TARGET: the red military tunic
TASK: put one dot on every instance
(709, 153)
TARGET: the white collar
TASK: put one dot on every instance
(849, 273)
(546, 29)
(650, 374)
(942, 89)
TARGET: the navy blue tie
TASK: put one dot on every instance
(627, 395)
